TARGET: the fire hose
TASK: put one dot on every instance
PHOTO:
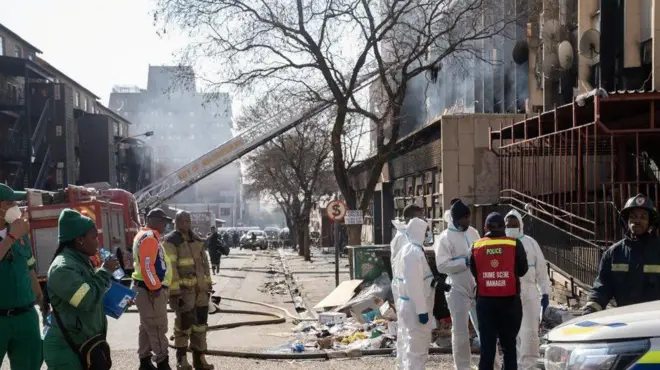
(279, 319)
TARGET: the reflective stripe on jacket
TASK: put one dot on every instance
(151, 264)
(191, 270)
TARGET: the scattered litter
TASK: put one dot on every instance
(332, 318)
(274, 287)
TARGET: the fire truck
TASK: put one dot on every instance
(114, 211)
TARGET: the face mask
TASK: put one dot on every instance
(12, 214)
(513, 232)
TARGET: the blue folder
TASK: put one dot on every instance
(116, 299)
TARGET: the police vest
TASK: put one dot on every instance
(164, 259)
(495, 260)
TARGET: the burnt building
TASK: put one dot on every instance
(185, 124)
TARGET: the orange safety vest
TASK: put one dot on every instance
(495, 260)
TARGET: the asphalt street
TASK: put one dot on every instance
(242, 276)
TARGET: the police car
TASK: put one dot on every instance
(624, 338)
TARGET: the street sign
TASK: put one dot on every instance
(353, 217)
(336, 210)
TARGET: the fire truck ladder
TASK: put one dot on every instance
(224, 154)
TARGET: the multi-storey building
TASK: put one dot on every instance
(185, 125)
(42, 113)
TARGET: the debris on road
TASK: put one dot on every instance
(278, 287)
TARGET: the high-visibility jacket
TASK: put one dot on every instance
(495, 261)
(150, 262)
(191, 270)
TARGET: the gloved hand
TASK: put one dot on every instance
(587, 310)
(423, 318)
(545, 302)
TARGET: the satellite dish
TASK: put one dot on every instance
(520, 52)
(550, 62)
(590, 44)
(565, 54)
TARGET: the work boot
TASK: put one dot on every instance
(182, 360)
(199, 362)
(146, 364)
(164, 364)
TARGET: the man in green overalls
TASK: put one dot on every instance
(19, 290)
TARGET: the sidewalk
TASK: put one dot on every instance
(315, 279)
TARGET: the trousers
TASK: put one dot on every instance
(20, 340)
(152, 337)
(460, 306)
(528, 338)
(191, 322)
(499, 318)
(413, 338)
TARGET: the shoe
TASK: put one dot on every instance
(199, 362)
(182, 360)
(164, 364)
(146, 364)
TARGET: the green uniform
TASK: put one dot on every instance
(19, 332)
(76, 292)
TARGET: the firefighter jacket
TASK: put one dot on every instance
(629, 272)
(497, 263)
(191, 271)
(152, 267)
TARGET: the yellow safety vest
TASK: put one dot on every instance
(164, 258)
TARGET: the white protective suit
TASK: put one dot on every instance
(452, 250)
(533, 285)
(398, 241)
(412, 284)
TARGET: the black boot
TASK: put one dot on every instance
(182, 360)
(146, 364)
(199, 362)
(164, 364)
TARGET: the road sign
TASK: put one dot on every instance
(353, 217)
(336, 210)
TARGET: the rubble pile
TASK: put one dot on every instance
(274, 287)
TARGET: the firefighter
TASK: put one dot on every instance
(629, 269)
(19, 321)
(190, 292)
(213, 244)
(498, 262)
(152, 276)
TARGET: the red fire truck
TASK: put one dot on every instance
(114, 211)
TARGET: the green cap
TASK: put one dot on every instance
(72, 224)
(8, 194)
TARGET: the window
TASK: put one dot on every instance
(225, 211)
(76, 99)
(85, 105)
(18, 52)
(2, 46)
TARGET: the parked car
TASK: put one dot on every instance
(259, 242)
(272, 237)
(619, 338)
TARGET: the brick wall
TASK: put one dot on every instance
(566, 293)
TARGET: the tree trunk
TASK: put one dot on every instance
(300, 237)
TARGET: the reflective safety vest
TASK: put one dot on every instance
(495, 260)
(162, 259)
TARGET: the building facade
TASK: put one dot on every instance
(185, 124)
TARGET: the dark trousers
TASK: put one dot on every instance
(499, 318)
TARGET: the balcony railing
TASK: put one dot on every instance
(39, 134)
(18, 178)
(11, 98)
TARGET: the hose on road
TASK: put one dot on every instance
(279, 319)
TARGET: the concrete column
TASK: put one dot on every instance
(655, 31)
(632, 33)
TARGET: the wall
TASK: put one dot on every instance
(470, 171)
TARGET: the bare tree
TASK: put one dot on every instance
(329, 48)
(293, 167)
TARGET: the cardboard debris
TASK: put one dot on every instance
(340, 296)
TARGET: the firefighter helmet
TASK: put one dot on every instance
(640, 201)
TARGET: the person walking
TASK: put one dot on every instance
(498, 262)
(151, 277)
(190, 292)
(452, 250)
(628, 270)
(214, 247)
(412, 284)
(535, 288)
(76, 337)
(20, 338)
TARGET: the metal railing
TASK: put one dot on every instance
(11, 98)
(18, 179)
(43, 170)
(39, 134)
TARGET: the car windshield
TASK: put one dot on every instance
(257, 233)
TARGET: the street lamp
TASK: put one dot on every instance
(145, 134)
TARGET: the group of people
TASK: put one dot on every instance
(168, 269)
(500, 282)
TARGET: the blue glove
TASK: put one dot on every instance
(423, 318)
(467, 261)
(545, 302)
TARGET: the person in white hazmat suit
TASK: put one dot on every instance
(412, 284)
(534, 293)
(411, 211)
(452, 250)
